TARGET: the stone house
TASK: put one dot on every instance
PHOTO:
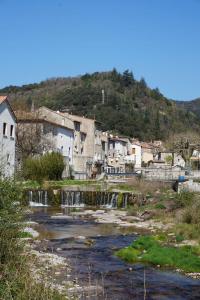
(118, 150)
(90, 147)
(7, 138)
(45, 131)
(147, 152)
(135, 153)
(164, 158)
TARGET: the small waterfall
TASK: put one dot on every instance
(125, 201)
(38, 198)
(77, 199)
(71, 199)
(30, 196)
(45, 198)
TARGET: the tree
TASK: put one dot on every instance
(184, 144)
(30, 137)
(127, 78)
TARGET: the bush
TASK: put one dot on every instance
(191, 214)
(16, 280)
(185, 199)
(50, 167)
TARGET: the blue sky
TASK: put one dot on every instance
(156, 39)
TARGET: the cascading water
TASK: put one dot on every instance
(71, 199)
(103, 199)
(38, 198)
(125, 201)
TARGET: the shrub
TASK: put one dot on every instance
(49, 166)
(191, 214)
(185, 199)
(16, 280)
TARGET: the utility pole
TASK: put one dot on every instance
(103, 96)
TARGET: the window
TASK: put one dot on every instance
(11, 131)
(133, 150)
(103, 145)
(5, 129)
(83, 137)
(77, 125)
(54, 131)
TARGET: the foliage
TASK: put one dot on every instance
(160, 206)
(169, 159)
(16, 280)
(120, 200)
(130, 107)
(185, 198)
(147, 249)
(50, 166)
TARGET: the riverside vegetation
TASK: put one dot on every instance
(16, 280)
(175, 246)
(168, 247)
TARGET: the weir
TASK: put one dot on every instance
(67, 198)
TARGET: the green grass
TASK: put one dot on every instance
(24, 234)
(71, 182)
(160, 206)
(31, 184)
(147, 249)
(123, 187)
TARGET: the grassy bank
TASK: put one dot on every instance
(16, 280)
(31, 184)
(148, 249)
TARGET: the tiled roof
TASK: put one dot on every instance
(2, 99)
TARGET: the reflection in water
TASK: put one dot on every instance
(90, 248)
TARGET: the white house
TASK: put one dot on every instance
(44, 131)
(135, 154)
(7, 138)
(117, 153)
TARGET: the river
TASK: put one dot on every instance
(90, 248)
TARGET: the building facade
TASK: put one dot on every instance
(7, 138)
(90, 147)
(45, 131)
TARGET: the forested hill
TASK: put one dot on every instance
(193, 106)
(129, 106)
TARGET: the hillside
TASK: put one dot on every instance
(193, 106)
(129, 106)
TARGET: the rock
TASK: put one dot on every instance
(90, 288)
(100, 211)
(131, 219)
(147, 214)
(62, 217)
(89, 242)
(81, 237)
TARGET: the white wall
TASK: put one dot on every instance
(64, 142)
(138, 155)
(7, 143)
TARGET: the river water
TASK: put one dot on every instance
(90, 249)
